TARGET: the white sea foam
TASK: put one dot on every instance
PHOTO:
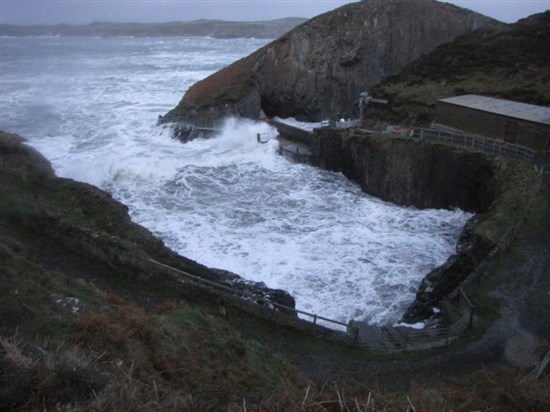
(299, 124)
(227, 202)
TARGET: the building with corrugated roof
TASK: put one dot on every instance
(514, 122)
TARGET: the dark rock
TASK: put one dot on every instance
(255, 291)
(408, 172)
(22, 160)
(322, 66)
(466, 240)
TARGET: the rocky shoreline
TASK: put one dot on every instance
(84, 220)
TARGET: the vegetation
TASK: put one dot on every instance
(516, 188)
(65, 342)
(48, 376)
(512, 64)
(225, 86)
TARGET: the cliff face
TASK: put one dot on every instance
(405, 172)
(320, 67)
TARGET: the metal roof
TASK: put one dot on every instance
(529, 112)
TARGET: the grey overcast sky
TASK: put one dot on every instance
(87, 11)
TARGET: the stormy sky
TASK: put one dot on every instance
(87, 11)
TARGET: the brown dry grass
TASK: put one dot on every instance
(229, 84)
(51, 377)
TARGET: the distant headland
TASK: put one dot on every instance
(268, 29)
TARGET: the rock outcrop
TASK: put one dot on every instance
(320, 67)
(408, 172)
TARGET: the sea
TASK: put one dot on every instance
(90, 106)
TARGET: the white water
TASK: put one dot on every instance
(90, 105)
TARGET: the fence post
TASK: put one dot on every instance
(315, 319)
(355, 335)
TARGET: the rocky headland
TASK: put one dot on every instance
(320, 68)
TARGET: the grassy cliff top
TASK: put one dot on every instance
(511, 64)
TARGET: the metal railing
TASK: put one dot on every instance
(482, 143)
(391, 339)
(297, 154)
(368, 337)
(252, 298)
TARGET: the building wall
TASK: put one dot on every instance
(533, 135)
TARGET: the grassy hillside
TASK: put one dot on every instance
(511, 64)
(82, 324)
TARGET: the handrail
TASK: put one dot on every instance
(412, 339)
(233, 291)
(485, 144)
